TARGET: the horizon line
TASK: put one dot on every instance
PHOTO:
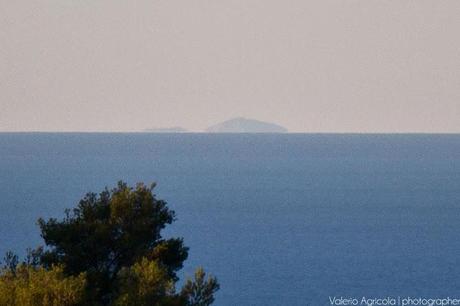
(235, 133)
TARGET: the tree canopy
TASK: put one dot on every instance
(108, 251)
(27, 285)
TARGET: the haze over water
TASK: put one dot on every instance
(310, 66)
(280, 219)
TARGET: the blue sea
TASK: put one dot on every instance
(287, 219)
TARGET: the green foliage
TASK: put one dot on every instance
(30, 286)
(11, 261)
(109, 231)
(200, 291)
(145, 283)
(112, 244)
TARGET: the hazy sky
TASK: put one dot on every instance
(311, 66)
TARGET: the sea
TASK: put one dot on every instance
(279, 219)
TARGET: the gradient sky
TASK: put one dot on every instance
(311, 66)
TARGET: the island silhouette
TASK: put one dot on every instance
(175, 129)
(234, 125)
(244, 125)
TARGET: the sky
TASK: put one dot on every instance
(342, 66)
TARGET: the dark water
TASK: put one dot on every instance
(280, 219)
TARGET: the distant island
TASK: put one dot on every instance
(175, 129)
(243, 125)
(235, 125)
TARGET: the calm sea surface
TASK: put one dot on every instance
(279, 219)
